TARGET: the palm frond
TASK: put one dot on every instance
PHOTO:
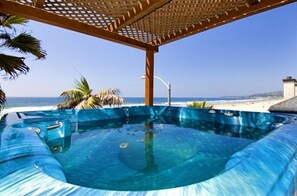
(5, 36)
(90, 103)
(110, 97)
(27, 44)
(2, 98)
(203, 104)
(93, 102)
(81, 105)
(12, 65)
(81, 97)
(68, 104)
(72, 95)
(74, 99)
(83, 86)
(110, 91)
(8, 21)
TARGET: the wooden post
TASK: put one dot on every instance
(149, 78)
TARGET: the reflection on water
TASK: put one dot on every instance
(149, 153)
(149, 148)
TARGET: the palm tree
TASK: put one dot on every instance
(110, 97)
(82, 98)
(12, 66)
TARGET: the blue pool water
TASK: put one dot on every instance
(148, 151)
(151, 154)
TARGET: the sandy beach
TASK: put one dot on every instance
(260, 105)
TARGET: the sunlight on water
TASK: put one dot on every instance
(151, 154)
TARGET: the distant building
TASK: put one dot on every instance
(289, 104)
(290, 87)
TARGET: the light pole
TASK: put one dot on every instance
(168, 86)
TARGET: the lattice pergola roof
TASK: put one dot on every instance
(144, 24)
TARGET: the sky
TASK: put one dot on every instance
(245, 57)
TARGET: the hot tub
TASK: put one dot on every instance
(148, 150)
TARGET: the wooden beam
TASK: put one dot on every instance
(38, 3)
(60, 21)
(241, 12)
(149, 78)
(138, 12)
(252, 2)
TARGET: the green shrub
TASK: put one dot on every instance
(197, 104)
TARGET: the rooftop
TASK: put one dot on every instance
(287, 106)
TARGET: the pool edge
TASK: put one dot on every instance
(281, 177)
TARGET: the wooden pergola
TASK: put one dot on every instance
(143, 24)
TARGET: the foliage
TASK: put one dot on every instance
(197, 104)
(110, 97)
(23, 43)
(82, 98)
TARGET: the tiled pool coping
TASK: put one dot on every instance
(266, 167)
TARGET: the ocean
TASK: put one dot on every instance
(14, 102)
